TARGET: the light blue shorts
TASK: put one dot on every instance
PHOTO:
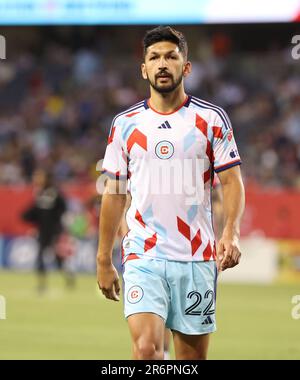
(182, 293)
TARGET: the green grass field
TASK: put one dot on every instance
(254, 322)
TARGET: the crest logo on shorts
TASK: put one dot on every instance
(164, 150)
(135, 294)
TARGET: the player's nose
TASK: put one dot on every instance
(162, 64)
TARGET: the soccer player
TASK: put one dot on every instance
(170, 258)
(46, 214)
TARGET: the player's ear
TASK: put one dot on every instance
(187, 68)
(143, 69)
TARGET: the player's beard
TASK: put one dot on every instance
(163, 89)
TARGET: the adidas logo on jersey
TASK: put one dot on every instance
(207, 321)
(165, 125)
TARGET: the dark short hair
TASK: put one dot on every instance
(165, 33)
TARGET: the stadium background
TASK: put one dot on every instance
(60, 87)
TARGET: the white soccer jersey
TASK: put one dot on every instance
(166, 157)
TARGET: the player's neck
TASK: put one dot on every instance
(167, 103)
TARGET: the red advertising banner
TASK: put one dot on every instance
(271, 213)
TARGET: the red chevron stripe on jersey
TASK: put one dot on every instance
(208, 252)
(201, 124)
(132, 256)
(185, 230)
(150, 242)
(207, 175)
(196, 242)
(217, 131)
(111, 136)
(139, 217)
(137, 137)
(132, 114)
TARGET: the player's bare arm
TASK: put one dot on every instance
(228, 250)
(112, 210)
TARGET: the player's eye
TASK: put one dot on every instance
(153, 57)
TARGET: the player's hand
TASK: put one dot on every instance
(108, 281)
(228, 253)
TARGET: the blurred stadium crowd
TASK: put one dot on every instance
(60, 91)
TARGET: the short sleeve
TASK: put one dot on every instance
(225, 150)
(115, 159)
